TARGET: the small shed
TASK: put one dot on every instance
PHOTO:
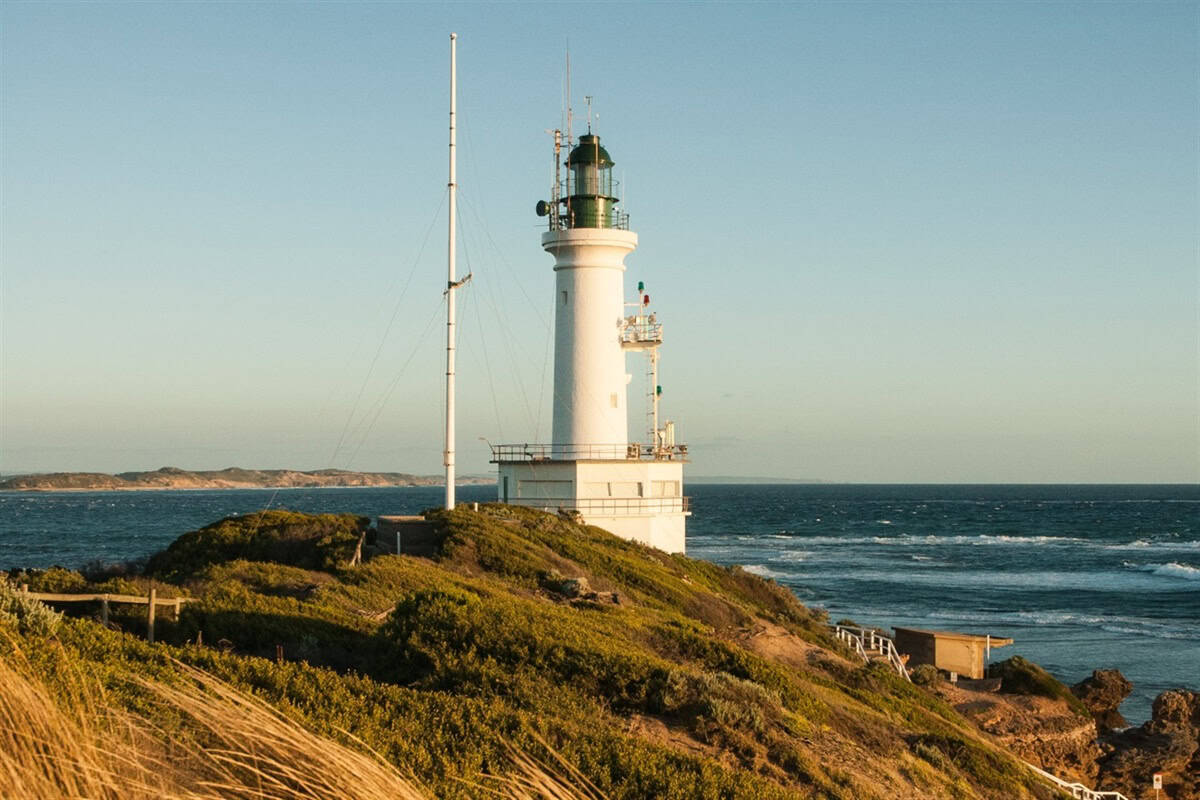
(410, 535)
(962, 653)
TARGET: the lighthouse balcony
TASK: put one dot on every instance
(633, 451)
(608, 506)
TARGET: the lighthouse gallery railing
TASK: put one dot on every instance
(635, 451)
(616, 506)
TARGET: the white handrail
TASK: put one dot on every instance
(1076, 790)
(864, 639)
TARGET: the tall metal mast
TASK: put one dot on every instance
(448, 453)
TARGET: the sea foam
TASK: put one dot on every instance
(1174, 570)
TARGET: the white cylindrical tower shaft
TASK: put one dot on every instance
(589, 364)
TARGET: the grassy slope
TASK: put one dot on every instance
(442, 665)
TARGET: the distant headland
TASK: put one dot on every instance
(228, 478)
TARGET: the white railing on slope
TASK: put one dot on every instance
(865, 639)
(1077, 790)
(849, 638)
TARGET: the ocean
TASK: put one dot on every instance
(1081, 577)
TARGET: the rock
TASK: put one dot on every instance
(1044, 731)
(575, 587)
(1103, 694)
(1169, 743)
(1177, 708)
(556, 582)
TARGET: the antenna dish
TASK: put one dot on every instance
(542, 208)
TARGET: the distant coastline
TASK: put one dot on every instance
(173, 478)
(755, 479)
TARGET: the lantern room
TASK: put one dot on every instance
(591, 192)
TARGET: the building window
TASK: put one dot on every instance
(564, 296)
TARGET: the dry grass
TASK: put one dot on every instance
(70, 743)
(48, 750)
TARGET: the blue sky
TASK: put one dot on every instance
(890, 242)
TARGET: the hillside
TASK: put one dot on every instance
(229, 478)
(653, 675)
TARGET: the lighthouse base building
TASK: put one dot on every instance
(591, 469)
(635, 499)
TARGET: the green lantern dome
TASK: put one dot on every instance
(589, 151)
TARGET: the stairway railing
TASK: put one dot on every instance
(864, 640)
(1076, 790)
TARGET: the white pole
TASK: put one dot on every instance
(449, 451)
(654, 397)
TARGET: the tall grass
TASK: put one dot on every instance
(68, 742)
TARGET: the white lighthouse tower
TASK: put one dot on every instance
(633, 489)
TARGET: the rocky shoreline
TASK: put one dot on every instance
(1100, 751)
(229, 478)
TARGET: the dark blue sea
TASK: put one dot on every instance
(1081, 577)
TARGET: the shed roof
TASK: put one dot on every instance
(996, 641)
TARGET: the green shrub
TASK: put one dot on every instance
(54, 580)
(1019, 676)
(924, 674)
(989, 768)
(24, 614)
(309, 541)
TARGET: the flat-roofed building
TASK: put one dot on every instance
(962, 653)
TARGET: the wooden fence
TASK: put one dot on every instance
(152, 601)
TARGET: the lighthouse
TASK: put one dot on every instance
(592, 469)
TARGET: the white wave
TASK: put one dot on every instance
(763, 571)
(981, 540)
(1158, 634)
(909, 540)
(1135, 626)
(793, 555)
(1173, 570)
(1146, 544)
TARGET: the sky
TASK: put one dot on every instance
(889, 242)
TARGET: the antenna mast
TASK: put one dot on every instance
(451, 285)
(569, 111)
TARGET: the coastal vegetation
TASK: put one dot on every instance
(228, 478)
(1021, 676)
(651, 675)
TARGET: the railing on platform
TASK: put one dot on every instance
(633, 451)
(638, 330)
(1076, 790)
(865, 640)
(617, 506)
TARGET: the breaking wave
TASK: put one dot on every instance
(1146, 544)
(908, 540)
(763, 571)
(1173, 570)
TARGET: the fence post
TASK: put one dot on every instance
(150, 616)
(178, 607)
(104, 610)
